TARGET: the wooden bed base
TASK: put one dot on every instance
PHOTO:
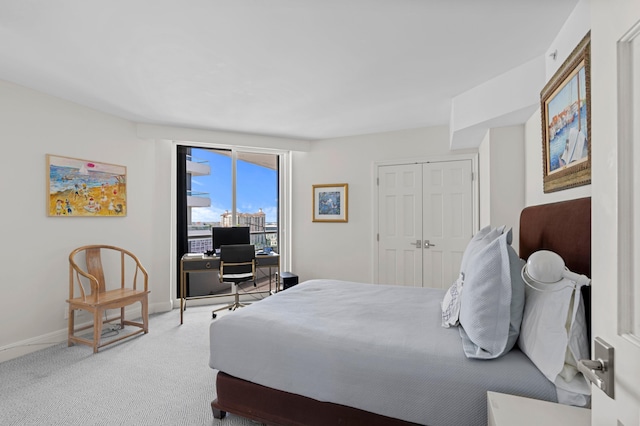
(563, 227)
(275, 407)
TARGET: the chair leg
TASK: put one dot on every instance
(233, 306)
(236, 303)
(145, 314)
(97, 329)
(71, 325)
(122, 318)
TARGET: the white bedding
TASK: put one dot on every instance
(374, 347)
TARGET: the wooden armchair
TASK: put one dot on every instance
(88, 291)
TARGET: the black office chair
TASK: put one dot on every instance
(237, 265)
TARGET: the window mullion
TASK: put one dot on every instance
(234, 159)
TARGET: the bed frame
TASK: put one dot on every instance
(563, 227)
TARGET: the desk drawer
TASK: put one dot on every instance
(268, 260)
(200, 264)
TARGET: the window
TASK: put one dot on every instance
(226, 187)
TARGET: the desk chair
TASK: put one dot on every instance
(237, 264)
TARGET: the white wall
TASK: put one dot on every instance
(35, 249)
(505, 100)
(344, 250)
(502, 178)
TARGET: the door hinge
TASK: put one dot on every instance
(378, 181)
(472, 177)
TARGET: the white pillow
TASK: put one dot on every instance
(554, 336)
(493, 300)
(452, 300)
(479, 241)
(451, 303)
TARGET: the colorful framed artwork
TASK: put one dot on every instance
(565, 104)
(82, 188)
(330, 202)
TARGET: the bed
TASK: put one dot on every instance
(335, 352)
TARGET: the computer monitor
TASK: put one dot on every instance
(230, 235)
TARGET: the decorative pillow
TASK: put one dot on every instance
(554, 335)
(493, 300)
(451, 303)
(482, 238)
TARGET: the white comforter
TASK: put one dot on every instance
(374, 347)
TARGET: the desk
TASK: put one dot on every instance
(192, 264)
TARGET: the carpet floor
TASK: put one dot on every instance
(160, 378)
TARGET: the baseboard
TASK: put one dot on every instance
(24, 347)
(155, 308)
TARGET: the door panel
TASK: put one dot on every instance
(448, 220)
(400, 213)
(615, 269)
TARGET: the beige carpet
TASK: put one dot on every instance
(161, 378)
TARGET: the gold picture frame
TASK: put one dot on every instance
(82, 188)
(565, 104)
(331, 202)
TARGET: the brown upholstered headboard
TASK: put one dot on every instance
(565, 228)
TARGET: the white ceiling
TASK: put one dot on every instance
(307, 69)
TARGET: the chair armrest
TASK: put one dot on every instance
(74, 276)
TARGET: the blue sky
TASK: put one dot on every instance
(257, 188)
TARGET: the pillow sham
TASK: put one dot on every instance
(493, 300)
(482, 238)
(554, 336)
(451, 303)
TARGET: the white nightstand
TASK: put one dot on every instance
(507, 410)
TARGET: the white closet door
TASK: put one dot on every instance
(447, 220)
(420, 203)
(400, 220)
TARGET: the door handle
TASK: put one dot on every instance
(427, 244)
(600, 370)
(418, 243)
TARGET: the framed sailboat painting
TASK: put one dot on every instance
(82, 188)
(565, 104)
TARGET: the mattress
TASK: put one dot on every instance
(378, 348)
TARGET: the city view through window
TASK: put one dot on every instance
(210, 196)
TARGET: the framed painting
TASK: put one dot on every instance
(565, 104)
(82, 188)
(330, 202)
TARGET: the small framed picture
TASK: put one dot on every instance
(330, 202)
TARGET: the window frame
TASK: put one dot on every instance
(284, 200)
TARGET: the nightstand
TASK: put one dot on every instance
(507, 410)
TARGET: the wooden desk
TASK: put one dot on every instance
(190, 265)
